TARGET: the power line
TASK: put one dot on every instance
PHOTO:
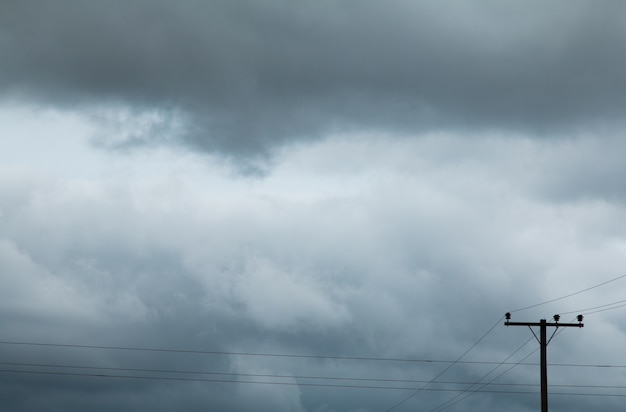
(394, 406)
(585, 311)
(228, 353)
(570, 295)
(186, 372)
(491, 382)
(341, 386)
(604, 310)
(452, 401)
(341, 378)
(285, 355)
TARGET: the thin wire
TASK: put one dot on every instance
(576, 365)
(570, 295)
(584, 311)
(305, 356)
(479, 389)
(446, 369)
(344, 378)
(451, 402)
(604, 310)
(279, 383)
(181, 372)
(283, 355)
(204, 352)
(503, 373)
(170, 378)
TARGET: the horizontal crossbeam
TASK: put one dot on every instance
(554, 324)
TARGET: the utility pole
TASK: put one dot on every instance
(543, 344)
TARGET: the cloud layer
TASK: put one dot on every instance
(413, 255)
(243, 78)
(427, 167)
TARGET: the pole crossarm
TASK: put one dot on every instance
(554, 324)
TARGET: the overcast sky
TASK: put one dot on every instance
(332, 179)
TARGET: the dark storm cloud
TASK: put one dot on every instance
(248, 76)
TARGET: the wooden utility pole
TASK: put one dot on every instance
(543, 344)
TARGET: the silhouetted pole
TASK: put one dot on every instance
(543, 344)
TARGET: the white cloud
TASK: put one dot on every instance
(287, 299)
(29, 288)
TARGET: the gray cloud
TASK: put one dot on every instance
(247, 77)
(414, 258)
(358, 243)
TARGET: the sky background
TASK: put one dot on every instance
(335, 180)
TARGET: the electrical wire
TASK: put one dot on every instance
(451, 401)
(340, 386)
(569, 295)
(491, 382)
(578, 365)
(257, 354)
(228, 353)
(601, 310)
(605, 310)
(394, 406)
(331, 378)
(586, 311)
